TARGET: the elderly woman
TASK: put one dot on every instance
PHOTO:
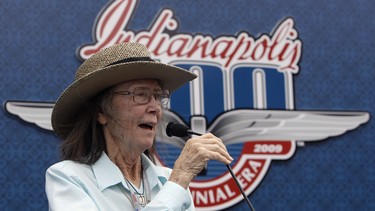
(108, 118)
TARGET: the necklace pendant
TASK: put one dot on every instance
(142, 200)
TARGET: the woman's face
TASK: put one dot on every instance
(131, 126)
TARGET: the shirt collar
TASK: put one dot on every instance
(151, 172)
(106, 172)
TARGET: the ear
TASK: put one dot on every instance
(102, 118)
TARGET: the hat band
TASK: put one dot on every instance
(132, 59)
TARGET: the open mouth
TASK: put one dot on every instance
(146, 126)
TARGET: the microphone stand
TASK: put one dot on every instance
(239, 187)
(233, 176)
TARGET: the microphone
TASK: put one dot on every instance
(180, 130)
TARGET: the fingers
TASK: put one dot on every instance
(195, 155)
(211, 148)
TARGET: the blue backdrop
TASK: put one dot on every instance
(38, 44)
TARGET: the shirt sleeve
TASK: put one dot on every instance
(64, 192)
(171, 197)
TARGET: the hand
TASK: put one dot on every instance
(194, 156)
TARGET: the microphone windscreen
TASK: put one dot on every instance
(179, 130)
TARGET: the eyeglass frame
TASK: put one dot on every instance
(162, 96)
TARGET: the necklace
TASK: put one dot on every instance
(139, 200)
(135, 189)
(141, 197)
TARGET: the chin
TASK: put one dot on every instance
(149, 143)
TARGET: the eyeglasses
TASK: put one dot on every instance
(143, 95)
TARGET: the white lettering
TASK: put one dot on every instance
(255, 165)
(213, 195)
(282, 48)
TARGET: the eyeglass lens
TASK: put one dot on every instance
(143, 95)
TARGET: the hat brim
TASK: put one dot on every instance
(83, 90)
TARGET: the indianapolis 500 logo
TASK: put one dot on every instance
(243, 95)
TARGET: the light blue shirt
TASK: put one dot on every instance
(101, 186)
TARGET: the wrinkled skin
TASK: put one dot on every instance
(130, 128)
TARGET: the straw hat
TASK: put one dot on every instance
(110, 66)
